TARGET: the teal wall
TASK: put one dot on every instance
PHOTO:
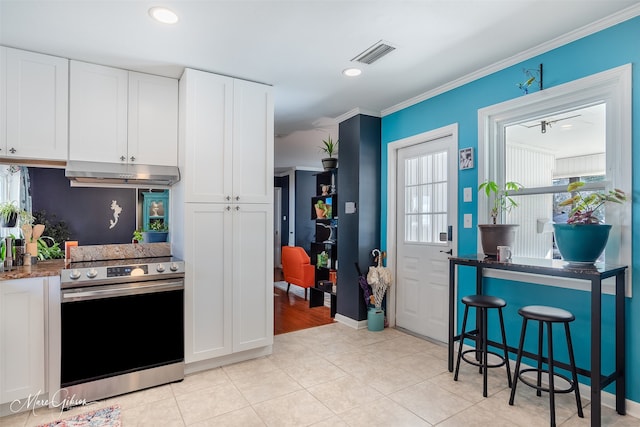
(612, 47)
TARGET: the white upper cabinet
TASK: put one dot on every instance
(98, 113)
(252, 142)
(206, 108)
(153, 120)
(34, 105)
(122, 116)
(227, 148)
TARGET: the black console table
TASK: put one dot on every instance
(594, 274)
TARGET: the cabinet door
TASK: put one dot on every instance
(206, 111)
(252, 143)
(98, 113)
(153, 120)
(252, 276)
(208, 289)
(22, 339)
(37, 95)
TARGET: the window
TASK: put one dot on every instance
(425, 197)
(544, 155)
(603, 157)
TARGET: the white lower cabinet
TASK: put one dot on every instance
(22, 338)
(229, 279)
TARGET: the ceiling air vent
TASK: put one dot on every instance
(374, 53)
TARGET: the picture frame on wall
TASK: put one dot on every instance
(465, 156)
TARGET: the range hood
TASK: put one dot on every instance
(117, 173)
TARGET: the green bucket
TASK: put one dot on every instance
(375, 319)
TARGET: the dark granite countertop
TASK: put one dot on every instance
(40, 269)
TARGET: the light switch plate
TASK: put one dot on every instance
(467, 195)
(468, 220)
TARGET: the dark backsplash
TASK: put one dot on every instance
(87, 211)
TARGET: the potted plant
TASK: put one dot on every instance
(329, 147)
(494, 234)
(9, 213)
(583, 238)
(137, 236)
(157, 232)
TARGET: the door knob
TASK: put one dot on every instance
(450, 252)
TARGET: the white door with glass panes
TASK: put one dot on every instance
(426, 205)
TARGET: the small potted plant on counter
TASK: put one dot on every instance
(330, 148)
(583, 238)
(494, 234)
(137, 236)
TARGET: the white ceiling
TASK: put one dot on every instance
(300, 47)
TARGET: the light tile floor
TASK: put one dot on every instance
(337, 376)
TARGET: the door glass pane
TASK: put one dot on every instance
(425, 197)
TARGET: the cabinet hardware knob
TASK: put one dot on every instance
(123, 158)
(237, 197)
(237, 208)
(133, 159)
(228, 208)
(228, 197)
(12, 150)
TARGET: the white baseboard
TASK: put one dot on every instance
(352, 323)
(204, 365)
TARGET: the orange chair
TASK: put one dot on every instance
(297, 269)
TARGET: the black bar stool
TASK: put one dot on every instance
(549, 316)
(482, 303)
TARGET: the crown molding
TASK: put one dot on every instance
(594, 27)
(354, 112)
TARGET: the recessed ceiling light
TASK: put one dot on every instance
(164, 15)
(352, 72)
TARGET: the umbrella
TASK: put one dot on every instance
(366, 288)
(379, 278)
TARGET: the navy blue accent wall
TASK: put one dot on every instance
(358, 233)
(283, 183)
(305, 226)
(87, 211)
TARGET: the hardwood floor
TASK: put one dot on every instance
(292, 313)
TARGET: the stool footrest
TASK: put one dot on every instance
(480, 364)
(546, 389)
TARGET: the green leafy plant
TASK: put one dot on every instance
(585, 206)
(502, 200)
(329, 146)
(137, 236)
(58, 230)
(48, 248)
(157, 225)
(8, 209)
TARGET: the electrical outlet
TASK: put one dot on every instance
(468, 220)
(467, 195)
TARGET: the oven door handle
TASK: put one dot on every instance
(84, 294)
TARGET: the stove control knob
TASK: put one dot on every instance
(174, 266)
(75, 274)
(160, 268)
(92, 273)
